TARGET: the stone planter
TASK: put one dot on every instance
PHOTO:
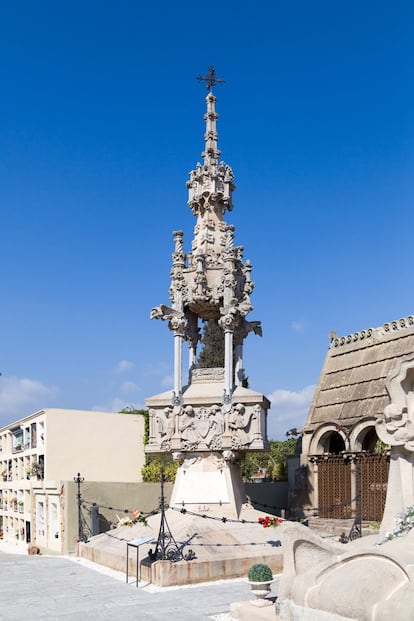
(261, 590)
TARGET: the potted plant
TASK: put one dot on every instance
(36, 470)
(260, 577)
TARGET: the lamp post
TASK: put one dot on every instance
(81, 535)
(166, 547)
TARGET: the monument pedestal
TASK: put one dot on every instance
(208, 437)
(209, 483)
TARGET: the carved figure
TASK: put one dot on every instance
(163, 312)
(216, 427)
(187, 429)
(238, 422)
(166, 426)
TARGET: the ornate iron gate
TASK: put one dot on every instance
(334, 487)
(374, 477)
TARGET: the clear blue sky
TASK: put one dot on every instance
(101, 119)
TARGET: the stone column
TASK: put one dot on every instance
(228, 362)
(178, 364)
(354, 469)
(178, 325)
(315, 483)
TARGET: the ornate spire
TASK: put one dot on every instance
(211, 153)
(210, 283)
(211, 184)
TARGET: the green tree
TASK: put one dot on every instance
(274, 461)
(212, 354)
(151, 471)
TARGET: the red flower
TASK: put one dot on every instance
(268, 521)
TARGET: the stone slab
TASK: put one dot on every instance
(223, 549)
(246, 611)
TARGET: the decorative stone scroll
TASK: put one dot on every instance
(387, 328)
(214, 427)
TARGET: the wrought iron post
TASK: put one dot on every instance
(166, 548)
(356, 528)
(81, 534)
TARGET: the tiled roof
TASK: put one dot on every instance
(352, 382)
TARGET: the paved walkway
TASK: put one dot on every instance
(59, 588)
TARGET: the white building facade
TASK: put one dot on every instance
(39, 457)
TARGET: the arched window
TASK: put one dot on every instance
(370, 440)
(336, 443)
(331, 442)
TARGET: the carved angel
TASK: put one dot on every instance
(238, 422)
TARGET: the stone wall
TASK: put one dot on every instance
(272, 494)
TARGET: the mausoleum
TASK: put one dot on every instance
(342, 456)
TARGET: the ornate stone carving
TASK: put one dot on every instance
(387, 328)
(229, 455)
(176, 319)
(228, 318)
(217, 427)
(187, 429)
(201, 376)
(239, 422)
(396, 426)
(405, 322)
(210, 283)
(165, 427)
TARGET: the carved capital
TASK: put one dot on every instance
(228, 318)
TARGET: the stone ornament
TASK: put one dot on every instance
(396, 426)
(206, 428)
(387, 328)
(336, 582)
(211, 281)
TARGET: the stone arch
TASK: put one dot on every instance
(363, 436)
(327, 439)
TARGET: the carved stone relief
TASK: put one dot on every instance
(206, 428)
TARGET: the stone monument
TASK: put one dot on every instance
(209, 421)
(210, 418)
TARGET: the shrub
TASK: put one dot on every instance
(260, 573)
